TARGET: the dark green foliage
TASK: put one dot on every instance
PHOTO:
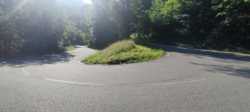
(41, 26)
(117, 19)
(234, 22)
(10, 40)
(72, 35)
(112, 21)
(166, 18)
(204, 23)
(140, 9)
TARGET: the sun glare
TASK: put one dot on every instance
(87, 1)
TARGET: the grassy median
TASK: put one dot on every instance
(124, 52)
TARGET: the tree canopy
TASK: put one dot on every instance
(41, 26)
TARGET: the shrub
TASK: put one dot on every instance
(124, 52)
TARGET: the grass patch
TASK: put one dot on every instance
(70, 48)
(124, 52)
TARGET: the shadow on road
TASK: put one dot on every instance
(209, 53)
(23, 61)
(227, 69)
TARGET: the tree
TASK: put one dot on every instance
(233, 26)
(112, 21)
(41, 26)
(10, 40)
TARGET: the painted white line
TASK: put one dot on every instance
(26, 73)
(98, 84)
(180, 82)
(74, 82)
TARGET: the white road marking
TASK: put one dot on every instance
(98, 84)
(180, 82)
(74, 82)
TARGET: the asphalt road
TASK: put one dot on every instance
(186, 80)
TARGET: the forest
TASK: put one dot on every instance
(48, 26)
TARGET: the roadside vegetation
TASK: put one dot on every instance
(124, 52)
(69, 48)
(42, 26)
(48, 26)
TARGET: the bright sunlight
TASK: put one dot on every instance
(87, 1)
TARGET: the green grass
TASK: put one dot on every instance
(70, 48)
(124, 52)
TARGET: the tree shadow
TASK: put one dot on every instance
(31, 60)
(201, 52)
(226, 69)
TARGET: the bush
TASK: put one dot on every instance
(165, 11)
(124, 52)
(72, 35)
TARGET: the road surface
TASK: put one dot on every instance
(185, 80)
